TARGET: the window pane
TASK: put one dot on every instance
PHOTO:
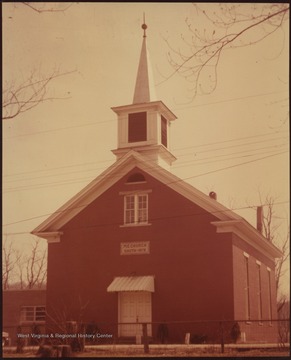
(32, 313)
(142, 208)
(142, 216)
(129, 217)
(129, 209)
(27, 313)
(40, 313)
(136, 209)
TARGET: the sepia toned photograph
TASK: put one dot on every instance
(145, 180)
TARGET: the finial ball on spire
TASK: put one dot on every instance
(144, 26)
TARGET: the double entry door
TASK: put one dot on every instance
(134, 307)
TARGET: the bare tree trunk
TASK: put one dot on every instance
(270, 231)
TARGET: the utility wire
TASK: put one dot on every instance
(110, 120)
(180, 164)
(169, 183)
(231, 140)
(194, 162)
(151, 219)
(106, 161)
(237, 145)
(65, 182)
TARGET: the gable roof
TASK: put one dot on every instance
(113, 174)
(132, 159)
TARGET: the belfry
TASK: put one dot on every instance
(144, 125)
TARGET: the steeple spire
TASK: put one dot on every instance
(144, 125)
(144, 87)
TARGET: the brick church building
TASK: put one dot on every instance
(140, 245)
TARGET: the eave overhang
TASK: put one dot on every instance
(148, 149)
(250, 235)
(51, 237)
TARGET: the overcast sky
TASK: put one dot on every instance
(233, 141)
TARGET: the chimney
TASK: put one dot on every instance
(260, 219)
(213, 195)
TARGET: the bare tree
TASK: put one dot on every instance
(10, 257)
(231, 25)
(67, 318)
(284, 322)
(35, 266)
(270, 231)
(280, 270)
(269, 226)
(23, 271)
(21, 97)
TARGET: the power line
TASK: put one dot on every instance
(181, 164)
(105, 161)
(233, 99)
(231, 140)
(234, 146)
(251, 207)
(110, 120)
(232, 166)
(56, 168)
(58, 129)
(194, 162)
(169, 183)
(66, 182)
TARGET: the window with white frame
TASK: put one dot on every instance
(32, 314)
(136, 208)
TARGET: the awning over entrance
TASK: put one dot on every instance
(132, 283)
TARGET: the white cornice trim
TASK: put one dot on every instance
(51, 237)
(148, 150)
(250, 235)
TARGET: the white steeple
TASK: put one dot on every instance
(144, 125)
(144, 87)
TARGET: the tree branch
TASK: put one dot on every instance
(20, 98)
(33, 6)
(206, 51)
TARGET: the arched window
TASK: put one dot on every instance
(136, 177)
